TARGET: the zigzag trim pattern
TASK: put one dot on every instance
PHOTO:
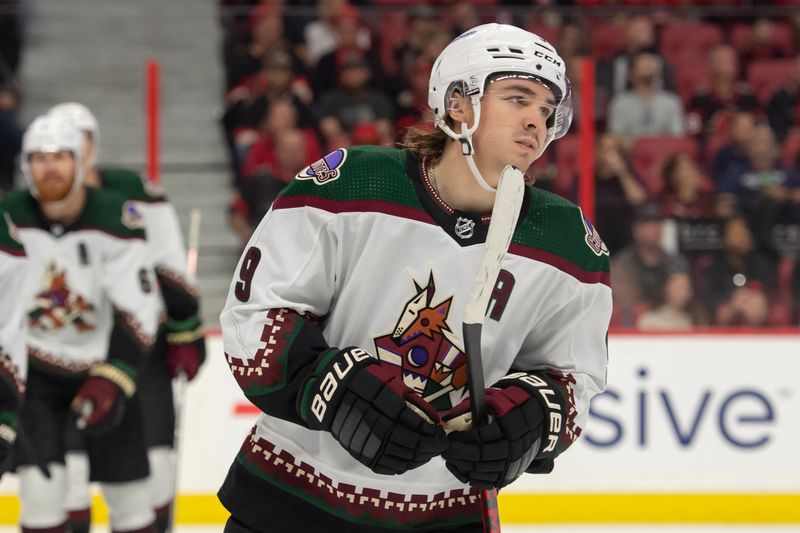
(178, 279)
(369, 505)
(49, 360)
(12, 373)
(135, 328)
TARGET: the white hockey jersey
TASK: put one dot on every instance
(359, 251)
(13, 359)
(96, 296)
(166, 250)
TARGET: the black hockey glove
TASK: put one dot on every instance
(366, 406)
(8, 433)
(519, 431)
(99, 404)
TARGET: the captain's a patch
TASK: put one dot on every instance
(593, 239)
(326, 169)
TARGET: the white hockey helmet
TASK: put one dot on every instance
(84, 119)
(51, 133)
(494, 49)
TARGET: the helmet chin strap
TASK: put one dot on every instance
(465, 138)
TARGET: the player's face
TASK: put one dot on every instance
(512, 128)
(53, 174)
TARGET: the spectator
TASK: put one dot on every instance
(640, 270)
(617, 193)
(732, 157)
(352, 103)
(350, 43)
(783, 110)
(762, 44)
(10, 136)
(10, 40)
(260, 190)
(738, 281)
(422, 27)
(678, 308)
(687, 193)
(262, 156)
(412, 103)
(322, 36)
(710, 109)
(645, 110)
(244, 57)
(614, 75)
(758, 185)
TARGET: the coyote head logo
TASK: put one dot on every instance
(421, 348)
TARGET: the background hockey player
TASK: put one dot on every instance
(180, 346)
(343, 318)
(13, 358)
(92, 319)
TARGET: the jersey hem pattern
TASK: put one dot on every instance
(362, 505)
(10, 376)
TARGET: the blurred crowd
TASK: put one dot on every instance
(697, 114)
(696, 162)
(10, 52)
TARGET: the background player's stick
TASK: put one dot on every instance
(505, 213)
(179, 390)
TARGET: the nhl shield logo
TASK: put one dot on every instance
(465, 227)
(326, 169)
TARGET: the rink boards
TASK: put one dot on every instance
(700, 428)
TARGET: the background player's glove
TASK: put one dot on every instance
(8, 433)
(498, 453)
(99, 404)
(374, 416)
(186, 347)
(184, 358)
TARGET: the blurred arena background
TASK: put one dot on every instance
(684, 149)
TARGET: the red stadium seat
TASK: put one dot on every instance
(791, 148)
(605, 39)
(768, 75)
(681, 42)
(742, 34)
(690, 77)
(650, 154)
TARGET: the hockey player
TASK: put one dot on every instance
(343, 318)
(91, 320)
(13, 359)
(180, 346)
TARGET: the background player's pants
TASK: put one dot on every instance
(154, 393)
(117, 459)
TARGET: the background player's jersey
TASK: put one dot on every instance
(166, 249)
(95, 291)
(331, 252)
(13, 285)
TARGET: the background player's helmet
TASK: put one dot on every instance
(51, 133)
(497, 49)
(84, 119)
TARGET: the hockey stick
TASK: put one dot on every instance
(505, 213)
(180, 383)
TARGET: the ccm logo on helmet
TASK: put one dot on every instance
(330, 382)
(549, 396)
(547, 57)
